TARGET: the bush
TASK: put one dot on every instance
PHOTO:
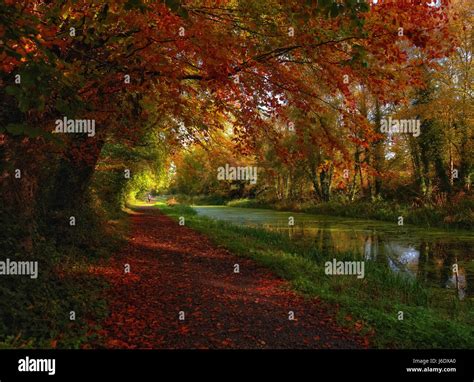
(35, 312)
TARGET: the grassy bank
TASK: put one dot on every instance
(432, 318)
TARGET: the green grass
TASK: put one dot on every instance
(249, 203)
(432, 319)
(201, 199)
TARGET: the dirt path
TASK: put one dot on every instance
(174, 269)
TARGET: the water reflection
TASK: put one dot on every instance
(431, 262)
(416, 253)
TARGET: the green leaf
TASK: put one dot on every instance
(13, 90)
(33, 132)
(16, 128)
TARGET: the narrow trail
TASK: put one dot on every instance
(175, 269)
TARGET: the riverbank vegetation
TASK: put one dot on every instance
(432, 318)
(456, 214)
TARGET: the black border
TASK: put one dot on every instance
(304, 365)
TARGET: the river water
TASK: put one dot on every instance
(426, 254)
